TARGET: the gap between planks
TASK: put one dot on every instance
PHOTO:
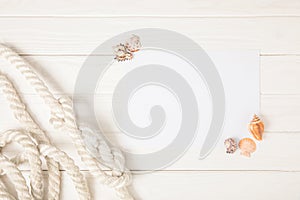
(62, 36)
(148, 16)
(180, 171)
(92, 8)
(85, 55)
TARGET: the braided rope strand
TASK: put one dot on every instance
(32, 154)
(70, 167)
(26, 70)
(11, 170)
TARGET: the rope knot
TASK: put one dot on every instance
(99, 148)
(123, 180)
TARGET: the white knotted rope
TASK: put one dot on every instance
(108, 167)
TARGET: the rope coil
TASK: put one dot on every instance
(36, 144)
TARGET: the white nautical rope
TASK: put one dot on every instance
(52, 155)
(32, 154)
(4, 194)
(11, 170)
(35, 141)
(119, 178)
(24, 117)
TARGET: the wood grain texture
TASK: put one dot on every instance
(279, 74)
(281, 113)
(149, 8)
(207, 185)
(267, 157)
(57, 36)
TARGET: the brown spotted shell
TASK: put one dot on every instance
(121, 53)
(230, 145)
(256, 127)
(247, 146)
(133, 44)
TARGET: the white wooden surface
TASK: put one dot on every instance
(56, 36)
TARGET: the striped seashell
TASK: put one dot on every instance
(256, 127)
(247, 146)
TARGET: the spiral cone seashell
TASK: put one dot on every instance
(256, 127)
(247, 146)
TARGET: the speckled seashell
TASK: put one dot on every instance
(133, 44)
(121, 53)
(247, 146)
(256, 127)
(230, 145)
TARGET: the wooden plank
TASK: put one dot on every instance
(147, 8)
(280, 74)
(211, 185)
(281, 113)
(272, 35)
(276, 152)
